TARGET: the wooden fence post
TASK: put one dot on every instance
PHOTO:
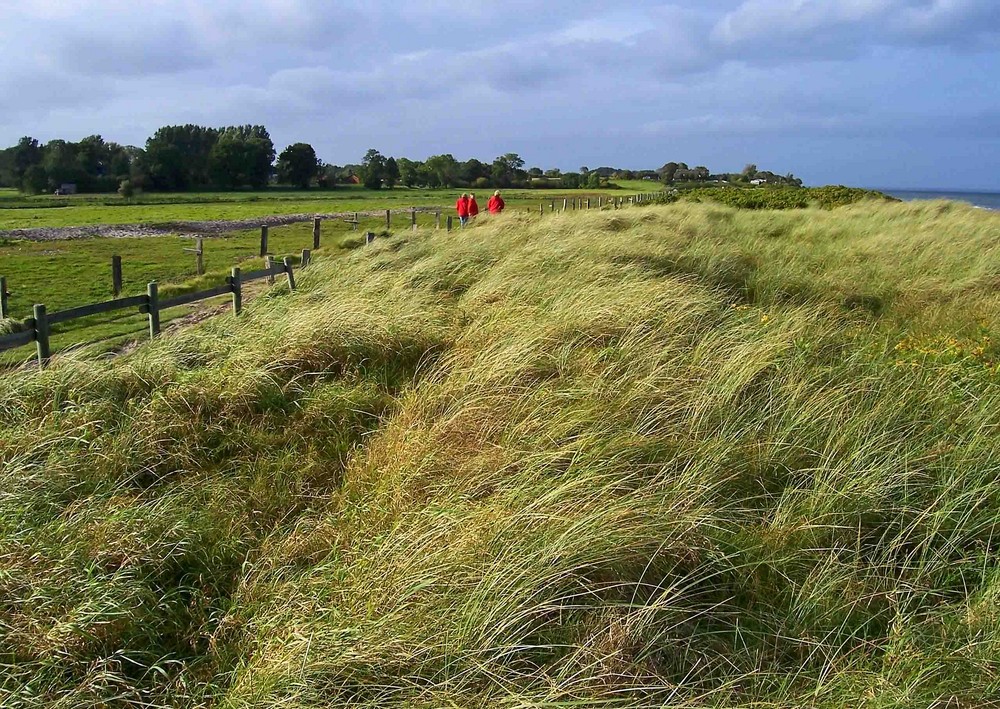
(287, 261)
(316, 222)
(588, 202)
(152, 295)
(388, 219)
(565, 202)
(116, 275)
(42, 335)
(306, 256)
(198, 250)
(237, 284)
(4, 307)
(356, 223)
(263, 240)
(413, 218)
(552, 206)
(541, 208)
(269, 264)
(437, 219)
(448, 222)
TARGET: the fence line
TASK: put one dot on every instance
(37, 329)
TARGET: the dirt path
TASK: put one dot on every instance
(209, 228)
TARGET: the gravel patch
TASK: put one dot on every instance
(209, 228)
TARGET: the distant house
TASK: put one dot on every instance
(354, 180)
(758, 181)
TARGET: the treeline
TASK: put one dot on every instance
(675, 173)
(93, 165)
(175, 158)
(191, 157)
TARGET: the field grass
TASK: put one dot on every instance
(19, 212)
(681, 456)
(66, 273)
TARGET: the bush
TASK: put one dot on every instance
(785, 197)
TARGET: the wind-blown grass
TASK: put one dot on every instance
(665, 456)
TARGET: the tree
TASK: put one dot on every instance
(178, 157)
(259, 155)
(508, 169)
(391, 174)
(749, 172)
(298, 165)
(442, 170)
(373, 169)
(242, 156)
(535, 172)
(571, 180)
(472, 170)
(7, 168)
(409, 172)
(127, 190)
(34, 180)
(27, 154)
(228, 162)
(593, 181)
(60, 163)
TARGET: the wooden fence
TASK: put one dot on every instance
(36, 329)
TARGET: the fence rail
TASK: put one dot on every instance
(95, 309)
(37, 329)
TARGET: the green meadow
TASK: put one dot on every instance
(65, 273)
(681, 455)
(24, 212)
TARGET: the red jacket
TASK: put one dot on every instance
(462, 207)
(473, 207)
(495, 205)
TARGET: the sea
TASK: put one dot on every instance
(985, 200)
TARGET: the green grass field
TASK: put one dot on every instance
(19, 212)
(66, 273)
(670, 456)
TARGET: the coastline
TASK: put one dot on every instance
(980, 199)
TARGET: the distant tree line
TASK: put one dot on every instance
(175, 158)
(191, 157)
(675, 173)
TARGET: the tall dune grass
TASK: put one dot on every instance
(678, 456)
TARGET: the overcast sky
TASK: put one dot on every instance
(890, 93)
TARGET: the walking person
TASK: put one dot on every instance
(462, 207)
(496, 203)
(473, 206)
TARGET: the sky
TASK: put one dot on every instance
(875, 93)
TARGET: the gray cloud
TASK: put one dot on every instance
(579, 81)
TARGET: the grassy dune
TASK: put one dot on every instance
(678, 456)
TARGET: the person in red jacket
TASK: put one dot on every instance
(462, 207)
(496, 203)
(473, 206)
